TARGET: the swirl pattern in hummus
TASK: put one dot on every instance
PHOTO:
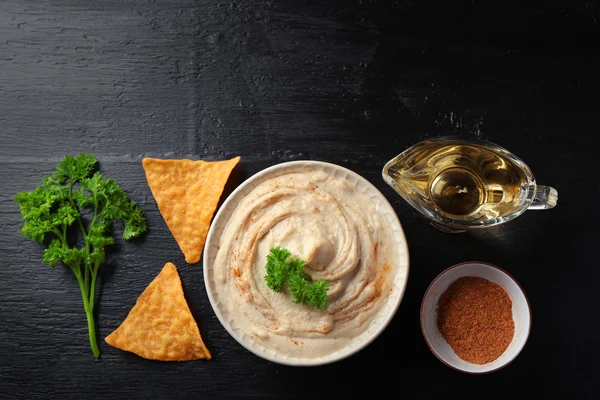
(337, 230)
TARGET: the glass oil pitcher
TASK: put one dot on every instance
(461, 185)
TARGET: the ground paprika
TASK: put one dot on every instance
(475, 318)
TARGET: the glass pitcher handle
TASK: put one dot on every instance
(545, 198)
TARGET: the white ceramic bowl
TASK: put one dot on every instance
(388, 215)
(520, 310)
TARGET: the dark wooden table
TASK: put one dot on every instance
(349, 82)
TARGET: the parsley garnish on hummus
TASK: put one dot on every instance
(282, 270)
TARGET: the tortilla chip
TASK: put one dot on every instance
(160, 326)
(187, 193)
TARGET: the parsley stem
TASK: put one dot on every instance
(59, 235)
(95, 211)
(79, 220)
(87, 279)
(84, 233)
(92, 333)
(89, 313)
(93, 286)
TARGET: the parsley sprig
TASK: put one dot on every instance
(54, 206)
(281, 270)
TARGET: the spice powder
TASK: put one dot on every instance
(475, 318)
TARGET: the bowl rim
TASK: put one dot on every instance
(422, 311)
(326, 359)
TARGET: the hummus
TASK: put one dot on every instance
(337, 230)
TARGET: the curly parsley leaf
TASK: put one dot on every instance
(44, 211)
(56, 251)
(74, 168)
(281, 270)
(277, 271)
(55, 205)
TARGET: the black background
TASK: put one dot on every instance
(349, 82)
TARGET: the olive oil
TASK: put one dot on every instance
(460, 180)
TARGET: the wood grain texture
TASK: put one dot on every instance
(349, 82)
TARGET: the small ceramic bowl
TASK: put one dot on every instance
(520, 310)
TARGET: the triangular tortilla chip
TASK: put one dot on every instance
(160, 326)
(187, 193)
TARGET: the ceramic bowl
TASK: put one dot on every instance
(520, 310)
(388, 215)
